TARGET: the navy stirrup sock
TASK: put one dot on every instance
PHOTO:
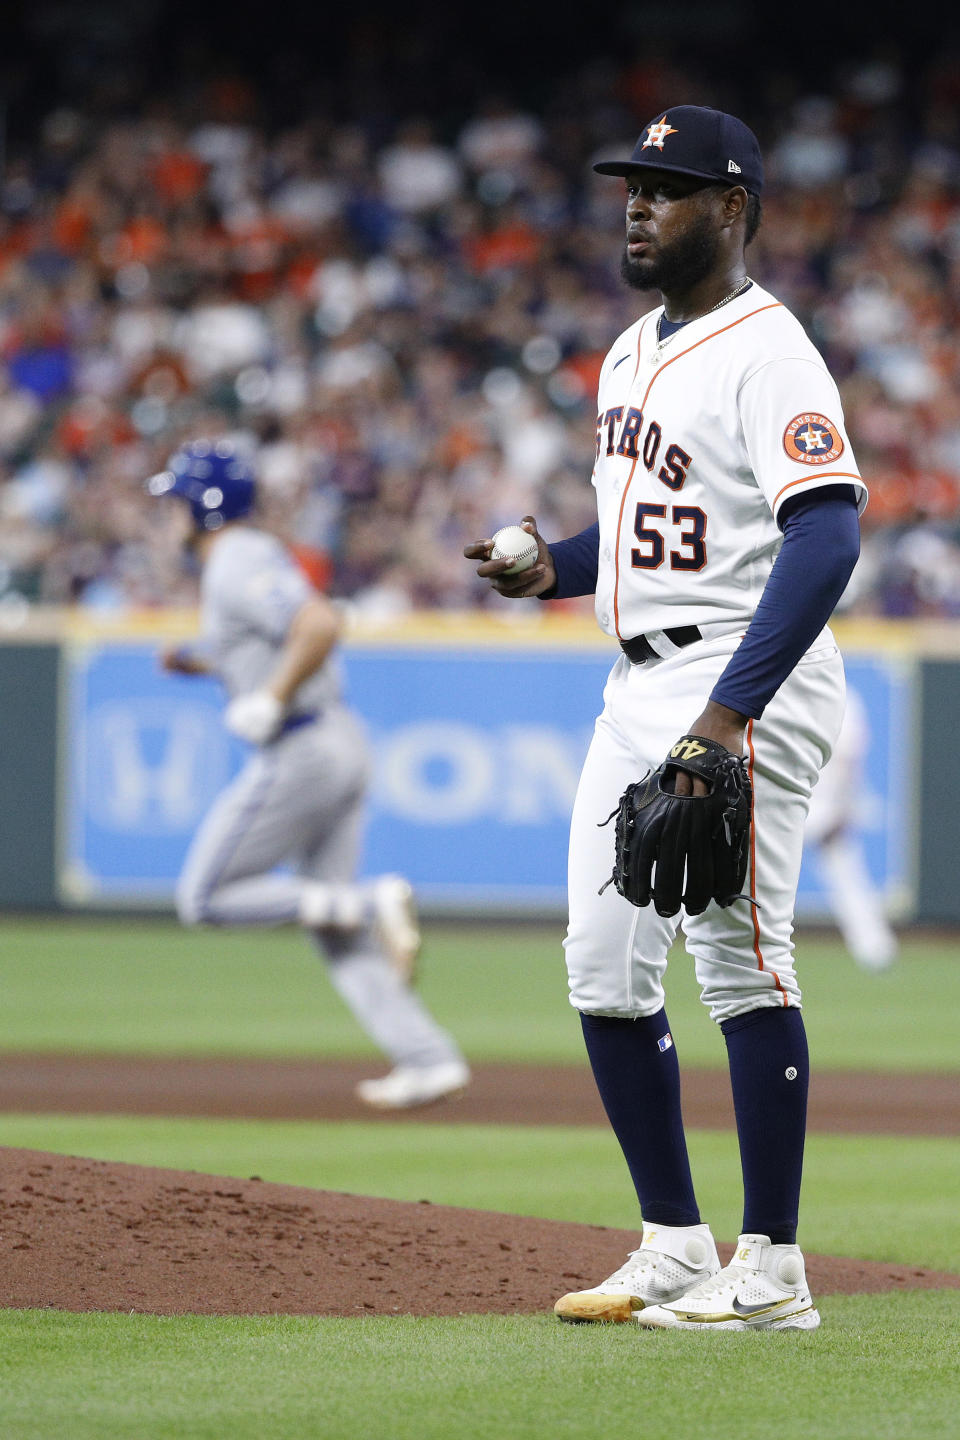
(635, 1066)
(769, 1075)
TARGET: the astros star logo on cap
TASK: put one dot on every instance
(657, 133)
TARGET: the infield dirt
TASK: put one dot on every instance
(91, 1235)
(308, 1089)
(79, 1234)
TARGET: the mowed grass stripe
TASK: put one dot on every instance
(881, 1367)
(148, 986)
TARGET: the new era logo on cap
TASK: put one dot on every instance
(733, 168)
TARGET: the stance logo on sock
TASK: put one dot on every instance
(665, 1041)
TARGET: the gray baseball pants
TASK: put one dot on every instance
(300, 802)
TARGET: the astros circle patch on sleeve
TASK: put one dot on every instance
(812, 439)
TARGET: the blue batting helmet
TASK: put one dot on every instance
(216, 482)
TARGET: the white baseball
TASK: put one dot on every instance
(516, 543)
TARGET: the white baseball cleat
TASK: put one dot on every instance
(409, 1085)
(396, 923)
(877, 958)
(763, 1288)
(671, 1259)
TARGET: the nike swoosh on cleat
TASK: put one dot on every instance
(763, 1308)
(737, 1312)
(620, 361)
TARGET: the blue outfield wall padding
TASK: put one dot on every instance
(477, 753)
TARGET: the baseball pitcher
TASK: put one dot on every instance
(728, 501)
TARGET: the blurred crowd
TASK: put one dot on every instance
(405, 322)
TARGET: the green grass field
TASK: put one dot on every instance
(880, 1365)
(879, 1372)
(147, 986)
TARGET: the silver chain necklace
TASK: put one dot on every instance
(719, 305)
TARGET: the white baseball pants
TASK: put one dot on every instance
(617, 953)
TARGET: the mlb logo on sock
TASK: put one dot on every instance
(665, 1041)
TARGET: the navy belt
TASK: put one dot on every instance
(293, 722)
(639, 649)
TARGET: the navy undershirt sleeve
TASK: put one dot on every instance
(576, 562)
(821, 543)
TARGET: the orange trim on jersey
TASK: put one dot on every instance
(616, 548)
(653, 379)
(753, 869)
(825, 475)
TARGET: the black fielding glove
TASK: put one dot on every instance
(685, 849)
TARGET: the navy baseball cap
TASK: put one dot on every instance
(693, 140)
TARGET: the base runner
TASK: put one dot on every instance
(300, 798)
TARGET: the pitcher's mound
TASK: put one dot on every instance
(91, 1235)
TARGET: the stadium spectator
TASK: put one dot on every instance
(406, 318)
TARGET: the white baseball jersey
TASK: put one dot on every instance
(251, 590)
(700, 440)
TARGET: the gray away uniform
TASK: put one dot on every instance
(298, 800)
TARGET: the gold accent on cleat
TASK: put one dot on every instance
(740, 1312)
(614, 1309)
(752, 1311)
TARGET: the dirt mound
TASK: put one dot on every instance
(90, 1235)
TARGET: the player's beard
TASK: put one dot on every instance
(689, 259)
